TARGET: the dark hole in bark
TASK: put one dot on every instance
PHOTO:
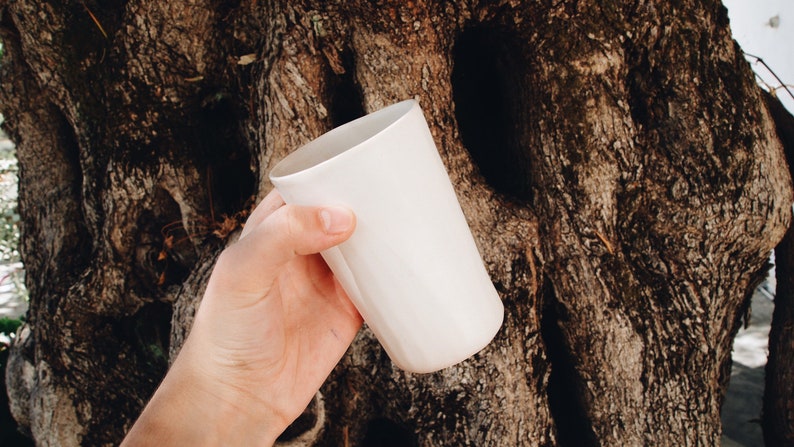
(165, 254)
(222, 147)
(347, 101)
(490, 106)
(382, 432)
(149, 334)
(573, 427)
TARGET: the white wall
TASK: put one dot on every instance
(765, 28)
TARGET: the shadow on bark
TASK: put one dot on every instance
(570, 419)
(489, 95)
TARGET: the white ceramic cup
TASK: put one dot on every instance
(411, 267)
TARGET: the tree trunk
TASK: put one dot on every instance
(778, 409)
(615, 161)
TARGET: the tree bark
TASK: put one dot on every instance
(615, 161)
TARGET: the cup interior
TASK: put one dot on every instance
(341, 139)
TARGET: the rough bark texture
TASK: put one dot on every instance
(615, 161)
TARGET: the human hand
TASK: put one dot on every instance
(272, 325)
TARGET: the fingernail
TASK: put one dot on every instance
(336, 219)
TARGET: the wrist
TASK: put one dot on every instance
(190, 409)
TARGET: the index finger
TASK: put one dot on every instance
(266, 207)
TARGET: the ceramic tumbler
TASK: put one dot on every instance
(411, 267)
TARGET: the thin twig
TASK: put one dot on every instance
(782, 84)
(96, 21)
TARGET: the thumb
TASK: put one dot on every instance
(251, 265)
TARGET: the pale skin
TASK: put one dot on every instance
(272, 325)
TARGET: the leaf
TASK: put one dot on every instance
(247, 59)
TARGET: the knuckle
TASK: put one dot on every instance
(294, 225)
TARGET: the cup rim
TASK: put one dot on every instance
(298, 161)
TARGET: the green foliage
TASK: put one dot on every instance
(9, 326)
